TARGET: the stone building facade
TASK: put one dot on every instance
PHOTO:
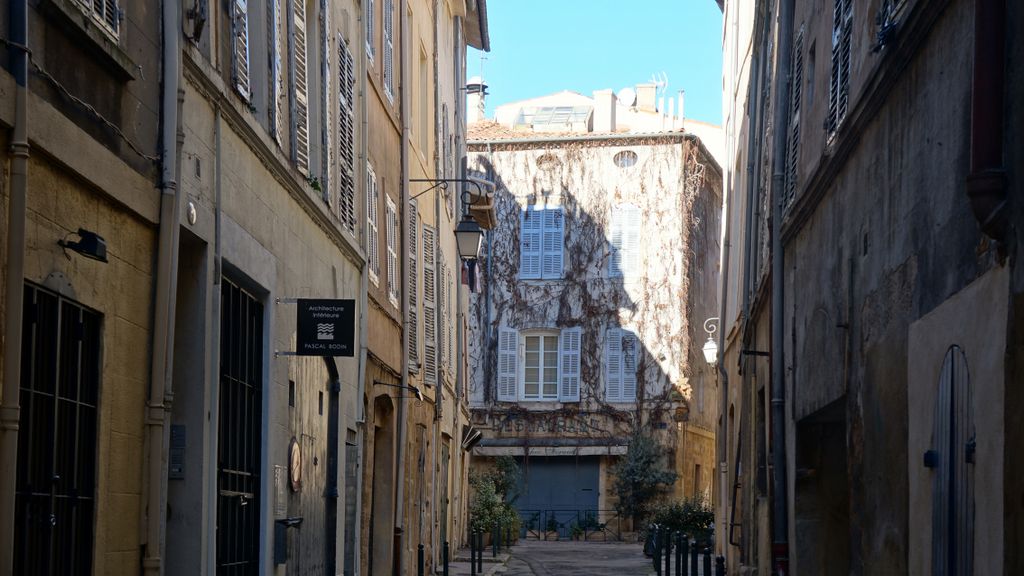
(872, 256)
(587, 328)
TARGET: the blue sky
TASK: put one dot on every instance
(544, 46)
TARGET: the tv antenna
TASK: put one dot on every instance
(660, 81)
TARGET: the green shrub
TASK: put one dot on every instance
(691, 516)
(640, 476)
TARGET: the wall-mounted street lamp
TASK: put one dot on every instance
(468, 234)
(91, 245)
(710, 347)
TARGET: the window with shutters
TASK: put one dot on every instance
(391, 237)
(372, 254)
(298, 72)
(620, 365)
(55, 490)
(326, 126)
(240, 47)
(413, 325)
(625, 259)
(429, 306)
(451, 321)
(839, 81)
(389, 51)
(106, 14)
(275, 86)
(442, 313)
(793, 144)
(346, 137)
(541, 243)
(370, 39)
(539, 365)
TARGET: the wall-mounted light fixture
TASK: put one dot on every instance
(710, 347)
(91, 245)
(468, 234)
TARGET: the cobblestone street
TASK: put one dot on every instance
(573, 558)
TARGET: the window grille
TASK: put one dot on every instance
(239, 431)
(56, 474)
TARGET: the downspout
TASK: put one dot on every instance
(403, 396)
(723, 401)
(166, 287)
(212, 432)
(780, 508)
(986, 184)
(364, 287)
(10, 409)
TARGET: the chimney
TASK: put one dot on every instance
(646, 97)
(604, 111)
(476, 91)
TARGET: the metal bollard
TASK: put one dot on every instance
(707, 560)
(494, 540)
(680, 554)
(444, 558)
(694, 558)
(472, 553)
(720, 566)
(419, 560)
(480, 552)
(667, 538)
(657, 549)
(684, 554)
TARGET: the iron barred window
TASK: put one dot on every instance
(56, 477)
(240, 424)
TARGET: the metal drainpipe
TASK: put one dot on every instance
(723, 444)
(10, 410)
(158, 407)
(398, 549)
(986, 184)
(780, 509)
(364, 287)
(213, 432)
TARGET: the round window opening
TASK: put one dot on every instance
(625, 159)
(548, 162)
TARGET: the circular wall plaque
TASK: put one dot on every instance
(295, 465)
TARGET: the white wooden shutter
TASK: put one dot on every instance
(793, 143)
(389, 52)
(839, 80)
(569, 364)
(442, 311)
(452, 357)
(508, 350)
(613, 365)
(625, 258)
(629, 346)
(346, 137)
(300, 88)
(391, 237)
(429, 306)
(414, 284)
(553, 223)
(274, 55)
(372, 256)
(530, 243)
(369, 29)
(240, 46)
(326, 126)
(615, 239)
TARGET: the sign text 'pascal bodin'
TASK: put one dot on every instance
(326, 327)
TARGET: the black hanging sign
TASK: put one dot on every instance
(325, 327)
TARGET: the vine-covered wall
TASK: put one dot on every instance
(677, 189)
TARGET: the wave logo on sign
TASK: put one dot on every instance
(325, 331)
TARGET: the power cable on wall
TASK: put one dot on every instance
(88, 107)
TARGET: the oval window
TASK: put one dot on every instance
(625, 159)
(548, 162)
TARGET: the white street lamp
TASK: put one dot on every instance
(710, 347)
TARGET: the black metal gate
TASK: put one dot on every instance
(56, 484)
(240, 426)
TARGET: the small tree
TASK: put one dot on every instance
(639, 476)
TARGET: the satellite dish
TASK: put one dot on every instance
(627, 97)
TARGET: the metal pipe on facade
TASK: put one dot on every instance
(364, 287)
(10, 409)
(986, 184)
(780, 510)
(158, 406)
(212, 432)
(402, 399)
